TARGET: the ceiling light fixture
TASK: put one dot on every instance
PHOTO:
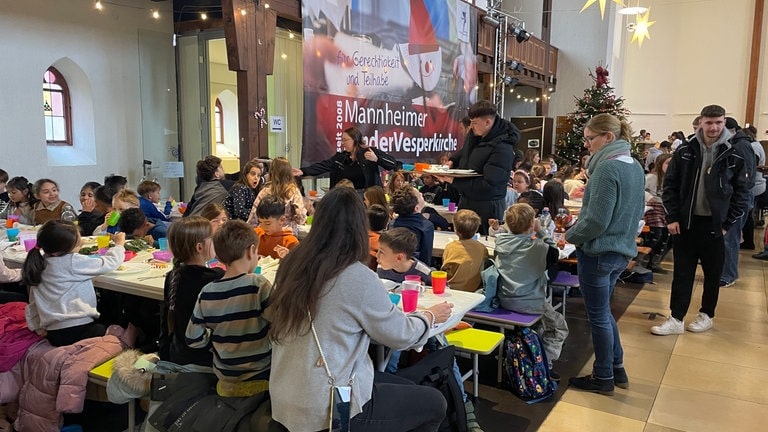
(521, 35)
(98, 6)
(515, 66)
(491, 21)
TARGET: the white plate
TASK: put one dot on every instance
(129, 268)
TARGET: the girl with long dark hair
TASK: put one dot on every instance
(326, 299)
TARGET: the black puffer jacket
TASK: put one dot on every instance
(726, 181)
(493, 156)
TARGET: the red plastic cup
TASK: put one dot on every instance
(439, 280)
(410, 300)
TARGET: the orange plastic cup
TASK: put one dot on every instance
(313, 193)
(439, 281)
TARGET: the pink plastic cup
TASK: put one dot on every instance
(414, 278)
(30, 244)
(451, 206)
(410, 300)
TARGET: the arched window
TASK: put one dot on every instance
(219, 119)
(56, 108)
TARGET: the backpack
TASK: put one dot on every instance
(436, 370)
(526, 366)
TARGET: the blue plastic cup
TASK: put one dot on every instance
(163, 243)
(395, 298)
(13, 234)
(446, 201)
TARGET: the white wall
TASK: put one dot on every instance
(105, 46)
(698, 54)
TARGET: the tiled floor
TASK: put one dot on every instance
(713, 381)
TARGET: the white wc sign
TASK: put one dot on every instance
(276, 124)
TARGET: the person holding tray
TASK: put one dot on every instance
(489, 150)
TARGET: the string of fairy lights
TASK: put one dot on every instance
(155, 13)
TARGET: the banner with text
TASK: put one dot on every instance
(402, 71)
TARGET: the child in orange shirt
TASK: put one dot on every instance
(378, 218)
(274, 240)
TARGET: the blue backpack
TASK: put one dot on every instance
(527, 367)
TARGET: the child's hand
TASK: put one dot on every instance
(149, 239)
(282, 251)
(119, 239)
(42, 332)
(536, 225)
(88, 204)
(494, 223)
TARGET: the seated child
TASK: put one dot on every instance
(149, 196)
(190, 241)
(275, 238)
(522, 261)
(49, 206)
(395, 257)
(133, 222)
(378, 218)
(90, 216)
(121, 200)
(463, 259)
(62, 301)
(407, 203)
(229, 315)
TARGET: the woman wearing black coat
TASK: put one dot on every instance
(357, 162)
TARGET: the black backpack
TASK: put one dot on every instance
(436, 370)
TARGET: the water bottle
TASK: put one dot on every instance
(546, 220)
(68, 213)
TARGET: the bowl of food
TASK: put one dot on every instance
(163, 255)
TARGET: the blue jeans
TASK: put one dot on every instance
(597, 277)
(732, 240)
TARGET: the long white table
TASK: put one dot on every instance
(463, 302)
(147, 284)
(442, 238)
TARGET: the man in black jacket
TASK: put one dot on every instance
(489, 150)
(705, 193)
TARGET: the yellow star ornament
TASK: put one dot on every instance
(602, 6)
(641, 28)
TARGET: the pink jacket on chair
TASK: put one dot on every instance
(50, 381)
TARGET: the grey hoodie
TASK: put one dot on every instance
(522, 262)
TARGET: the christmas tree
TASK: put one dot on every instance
(597, 99)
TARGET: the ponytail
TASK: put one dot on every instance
(34, 265)
(626, 131)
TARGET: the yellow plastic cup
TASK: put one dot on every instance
(102, 241)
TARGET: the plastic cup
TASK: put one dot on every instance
(30, 244)
(439, 280)
(414, 278)
(446, 201)
(395, 298)
(9, 223)
(163, 243)
(313, 193)
(102, 241)
(13, 234)
(451, 206)
(410, 300)
(114, 217)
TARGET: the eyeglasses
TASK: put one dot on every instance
(588, 139)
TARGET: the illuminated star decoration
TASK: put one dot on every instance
(641, 28)
(602, 6)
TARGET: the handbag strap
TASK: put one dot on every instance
(331, 381)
